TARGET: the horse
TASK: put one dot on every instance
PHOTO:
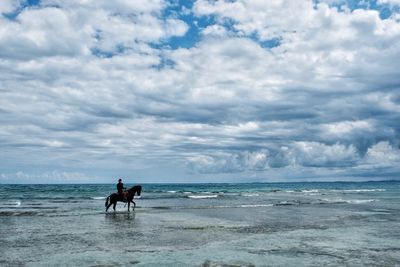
(115, 197)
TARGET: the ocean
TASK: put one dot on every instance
(257, 224)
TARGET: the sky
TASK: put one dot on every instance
(199, 91)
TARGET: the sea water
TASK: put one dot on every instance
(271, 224)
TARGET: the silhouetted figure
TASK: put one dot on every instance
(120, 189)
(130, 194)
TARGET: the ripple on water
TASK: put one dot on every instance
(209, 263)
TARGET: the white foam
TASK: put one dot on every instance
(358, 190)
(98, 198)
(360, 201)
(256, 205)
(365, 190)
(244, 206)
(250, 195)
(18, 203)
(172, 192)
(349, 201)
(310, 191)
(203, 196)
(335, 200)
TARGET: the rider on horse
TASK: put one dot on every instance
(126, 196)
(120, 189)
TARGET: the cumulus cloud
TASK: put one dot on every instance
(42, 32)
(234, 87)
(227, 163)
(390, 2)
(321, 155)
(9, 6)
(54, 176)
(297, 154)
(382, 152)
(75, 28)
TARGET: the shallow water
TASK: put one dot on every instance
(288, 224)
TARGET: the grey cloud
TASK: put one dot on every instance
(322, 103)
(305, 154)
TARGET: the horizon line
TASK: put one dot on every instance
(189, 183)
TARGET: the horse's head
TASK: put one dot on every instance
(136, 189)
(139, 190)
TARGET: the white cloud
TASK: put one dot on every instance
(175, 27)
(347, 127)
(83, 86)
(229, 163)
(321, 155)
(54, 176)
(120, 6)
(215, 30)
(9, 6)
(382, 153)
(390, 2)
(260, 17)
(321, 41)
(74, 28)
(295, 155)
(43, 32)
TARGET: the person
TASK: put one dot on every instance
(120, 189)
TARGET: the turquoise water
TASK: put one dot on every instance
(286, 224)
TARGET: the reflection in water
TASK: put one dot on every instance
(119, 216)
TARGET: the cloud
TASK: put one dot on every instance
(303, 154)
(57, 28)
(239, 88)
(9, 6)
(228, 163)
(42, 32)
(54, 176)
(258, 17)
(390, 2)
(321, 155)
(382, 152)
(215, 30)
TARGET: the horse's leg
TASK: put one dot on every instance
(129, 204)
(115, 204)
(134, 204)
(111, 199)
(109, 205)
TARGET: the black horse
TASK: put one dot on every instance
(130, 194)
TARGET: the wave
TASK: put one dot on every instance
(255, 205)
(202, 196)
(98, 198)
(360, 201)
(250, 195)
(310, 191)
(288, 203)
(211, 207)
(16, 203)
(20, 213)
(359, 190)
(348, 201)
(27, 212)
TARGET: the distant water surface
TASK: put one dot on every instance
(271, 224)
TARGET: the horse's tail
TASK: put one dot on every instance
(108, 198)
